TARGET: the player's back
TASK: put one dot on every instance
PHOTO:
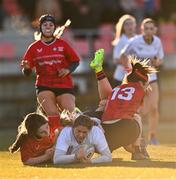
(123, 102)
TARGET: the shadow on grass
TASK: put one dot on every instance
(119, 163)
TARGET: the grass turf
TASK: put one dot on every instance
(161, 166)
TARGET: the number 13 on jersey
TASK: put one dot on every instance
(124, 93)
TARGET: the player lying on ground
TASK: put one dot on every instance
(122, 104)
(120, 122)
(35, 139)
(77, 143)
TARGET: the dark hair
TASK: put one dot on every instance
(46, 17)
(83, 120)
(28, 128)
(140, 70)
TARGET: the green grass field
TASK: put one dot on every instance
(161, 166)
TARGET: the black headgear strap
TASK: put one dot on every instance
(46, 17)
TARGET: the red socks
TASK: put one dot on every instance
(54, 121)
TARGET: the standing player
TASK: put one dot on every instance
(54, 61)
(122, 103)
(125, 30)
(147, 45)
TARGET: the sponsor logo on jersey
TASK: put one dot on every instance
(50, 62)
(60, 49)
(55, 49)
(39, 50)
(37, 147)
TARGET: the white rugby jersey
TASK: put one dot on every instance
(138, 47)
(67, 142)
(120, 72)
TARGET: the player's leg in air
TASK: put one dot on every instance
(104, 87)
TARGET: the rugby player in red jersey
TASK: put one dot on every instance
(35, 139)
(119, 115)
(54, 61)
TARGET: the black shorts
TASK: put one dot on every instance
(121, 133)
(56, 91)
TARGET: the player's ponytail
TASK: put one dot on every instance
(20, 138)
(18, 142)
(140, 70)
(57, 33)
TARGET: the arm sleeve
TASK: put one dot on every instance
(117, 49)
(29, 56)
(129, 48)
(160, 50)
(27, 152)
(99, 139)
(70, 54)
(73, 66)
(63, 140)
(60, 157)
(62, 145)
(106, 156)
(101, 147)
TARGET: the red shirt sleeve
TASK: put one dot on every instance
(26, 151)
(70, 54)
(34, 148)
(29, 56)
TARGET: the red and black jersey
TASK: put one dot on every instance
(123, 102)
(47, 59)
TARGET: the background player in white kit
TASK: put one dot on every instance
(125, 30)
(147, 45)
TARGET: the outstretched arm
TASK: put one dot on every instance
(60, 157)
